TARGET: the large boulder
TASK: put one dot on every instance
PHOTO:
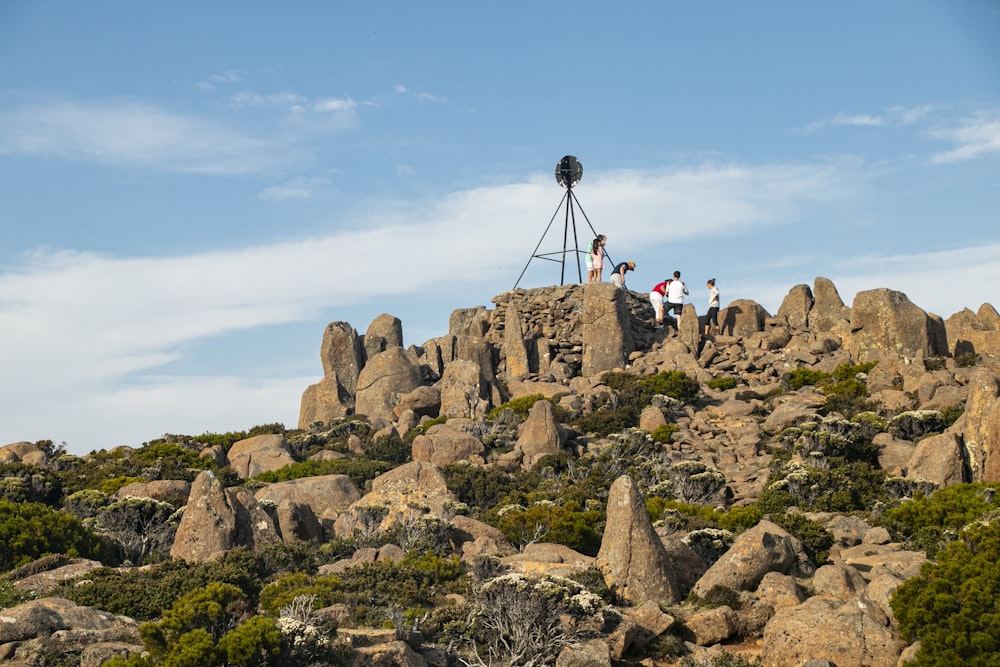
(342, 352)
(324, 401)
(796, 305)
(885, 320)
(383, 333)
(443, 445)
(324, 494)
(251, 456)
(939, 459)
(405, 494)
(976, 333)
(217, 519)
(847, 634)
(607, 334)
(540, 434)
(981, 431)
(386, 377)
(632, 558)
(742, 318)
(764, 548)
(514, 349)
(32, 632)
(828, 312)
(464, 393)
(23, 452)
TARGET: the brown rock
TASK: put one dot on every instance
(981, 433)
(594, 653)
(828, 312)
(632, 558)
(464, 393)
(323, 493)
(386, 377)
(324, 401)
(252, 456)
(513, 345)
(939, 459)
(540, 434)
(742, 318)
(712, 625)
(384, 332)
(885, 320)
(607, 334)
(764, 548)
(442, 445)
(342, 354)
(847, 634)
(796, 305)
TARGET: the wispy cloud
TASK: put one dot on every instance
(975, 137)
(127, 133)
(896, 116)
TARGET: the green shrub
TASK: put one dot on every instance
(722, 383)
(478, 487)
(632, 393)
(742, 518)
(31, 530)
(928, 521)
(801, 377)
(663, 434)
(520, 406)
(389, 448)
(816, 539)
(565, 523)
(951, 608)
(361, 471)
(24, 482)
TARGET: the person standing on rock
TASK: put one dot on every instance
(618, 276)
(597, 255)
(656, 298)
(675, 296)
(712, 318)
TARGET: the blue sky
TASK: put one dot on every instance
(191, 191)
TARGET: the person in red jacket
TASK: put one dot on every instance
(656, 296)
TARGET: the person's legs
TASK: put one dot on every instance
(657, 300)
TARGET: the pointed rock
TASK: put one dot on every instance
(540, 434)
(607, 333)
(632, 558)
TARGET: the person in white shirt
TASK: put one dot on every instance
(713, 306)
(675, 297)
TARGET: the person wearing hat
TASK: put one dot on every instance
(618, 275)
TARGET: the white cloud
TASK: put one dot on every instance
(86, 336)
(333, 104)
(126, 133)
(975, 137)
(896, 116)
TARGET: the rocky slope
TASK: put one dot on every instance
(760, 429)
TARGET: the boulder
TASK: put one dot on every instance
(939, 459)
(540, 434)
(796, 305)
(711, 626)
(251, 456)
(424, 401)
(764, 548)
(324, 494)
(324, 401)
(443, 445)
(384, 332)
(847, 634)
(297, 522)
(593, 653)
(742, 318)
(778, 591)
(464, 393)
(479, 539)
(828, 312)
(342, 353)
(514, 349)
(981, 432)
(885, 320)
(173, 491)
(607, 334)
(23, 452)
(387, 376)
(217, 519)
(632, 558)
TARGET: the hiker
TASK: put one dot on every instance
(675, 297)
(618, 276)
(713, 307)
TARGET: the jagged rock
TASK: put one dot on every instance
(384, 332)
(689, 328)
(764, 548)
(847, 634)
(632, 558)
(29, 630)
(796, 305)
(324, 401)
(463, 391)
(594, 653)
(342, 353)
(607, 335)
(217, 519)
(391, 654)
(387, 376)
(424, 401)
(251, 456)
(540, 434)
(650, 622)
(323, 493)
(442, 445)
(981, 433)
(742, 318)
(712, 625)
(871, 560)
(972, 334)
(939, 459)
(545, 558)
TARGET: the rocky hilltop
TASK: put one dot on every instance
(700, 495)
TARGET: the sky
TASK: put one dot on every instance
(191, 191)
